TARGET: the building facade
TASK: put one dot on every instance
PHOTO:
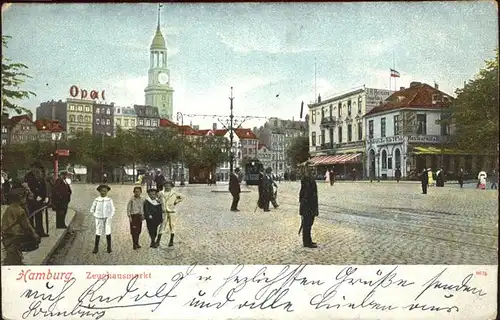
(406, 132)
(79, 116)
(248, 145)
(336, 129)
(6, 129)
(159, 93)
(53, 110)
(124, 118)
(103, 118)
(23, 129)
(46, 127)
(265, 155)
(147, 117)
(278, 151)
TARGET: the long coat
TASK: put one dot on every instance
(61, 193)
(234, 184)
(308, 197)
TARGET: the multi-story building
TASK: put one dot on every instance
(336, 129)
(147, 117)
(53, 110)
(6, 129)
(405, 132)
(46, 127)
(23, 129)
(79, 116)
(285, 132)
(125, 118)
(103, 119)
(265, 155)
(159, 93)
(248, 144)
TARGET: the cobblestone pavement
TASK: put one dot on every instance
(359, 223)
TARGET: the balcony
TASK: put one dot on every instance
(329, 121)
(325, 146)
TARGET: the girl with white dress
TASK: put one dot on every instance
(103, 210)
(482, 179)
(327, 176)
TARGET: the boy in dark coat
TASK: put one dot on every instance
(61, 196)
(153, 213)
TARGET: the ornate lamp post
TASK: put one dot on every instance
(56, 136)
(180, 117)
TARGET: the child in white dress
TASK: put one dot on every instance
(102, 209)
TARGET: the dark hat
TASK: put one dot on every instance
(103, 186)
(171, 183)
(237, 169)
(152, 189)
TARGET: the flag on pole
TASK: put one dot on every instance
(301, 109)
(395, 73)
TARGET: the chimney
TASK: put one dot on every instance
(401, 88)
(319, 98)
(214, 126)
(436, 86)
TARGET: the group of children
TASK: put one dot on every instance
(157, 208)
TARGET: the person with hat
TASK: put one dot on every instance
(135, 213)
(153, 214)
(61, 197)
(16, 227)
(38, 196)
(308, 199)
(103, 210)
(267, 189)
(169, 200)
(235, 189)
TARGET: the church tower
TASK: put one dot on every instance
(159, 93)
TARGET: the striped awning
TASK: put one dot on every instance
(335, 159)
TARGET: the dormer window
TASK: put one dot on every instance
(401, 98)
(436, 98)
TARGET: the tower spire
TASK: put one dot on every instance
(159, 9)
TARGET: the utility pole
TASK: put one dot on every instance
(180, 117)
(231, 134)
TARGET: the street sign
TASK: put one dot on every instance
(62, 152)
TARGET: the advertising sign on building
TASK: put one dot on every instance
(375, 96)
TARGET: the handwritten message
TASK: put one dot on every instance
(281, 292)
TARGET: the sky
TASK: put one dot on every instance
(260, 49)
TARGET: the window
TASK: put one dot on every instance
(322, 138)
(164, 97)
(313, 139)
(322, 113)
(389, 163)
(340, 134)
(340, 110)
(80, 108)
(72, 130)
(382, 127)
(360, 103)
(118, 122)
(97, 111)
(313, 117)
(87, 109)
(71, 118)
(87, 119)
(108, 111)
(141, 122)
(349, 107)
(396, 125)
(384, 160)
(331, 136)
(125, 123)
(421, 124)
(370, 129)
(331, 111)
(79, 129)
(154, 123)
(108, 122)
(148, 123)
(349, 133)
(80, 118)
(360, 131)
(97, 121)
(71, 107)
(132, 123)
(4, 141)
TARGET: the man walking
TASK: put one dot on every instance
(36, 185)
(61, 196)
(424, 178)
(235, 189)
(308, 198)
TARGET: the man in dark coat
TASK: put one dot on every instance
(260, 188)
(424, 179)
(160, 180)
(36, 184)
(397, 174)
(308, 198)
(440, 178)
(61, 196)
(267, 189)
(235, 189)
(461, 175)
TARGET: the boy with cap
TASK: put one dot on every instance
(102, 209)
(169, 199)
(135, 213)
(153, 213)
(15, 227)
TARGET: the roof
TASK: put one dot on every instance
(49, 125)
(245, 133)
(261, 145)
(158, 40)
(419, 95)
(167, 123)
(16, 119)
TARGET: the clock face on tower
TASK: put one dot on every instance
(163, 78)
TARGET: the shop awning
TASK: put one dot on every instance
(335, 159)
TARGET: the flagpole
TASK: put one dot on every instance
(315, 80)
(394, 67)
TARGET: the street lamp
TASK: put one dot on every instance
(56, 136)
(231, 134)
(180, 117)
